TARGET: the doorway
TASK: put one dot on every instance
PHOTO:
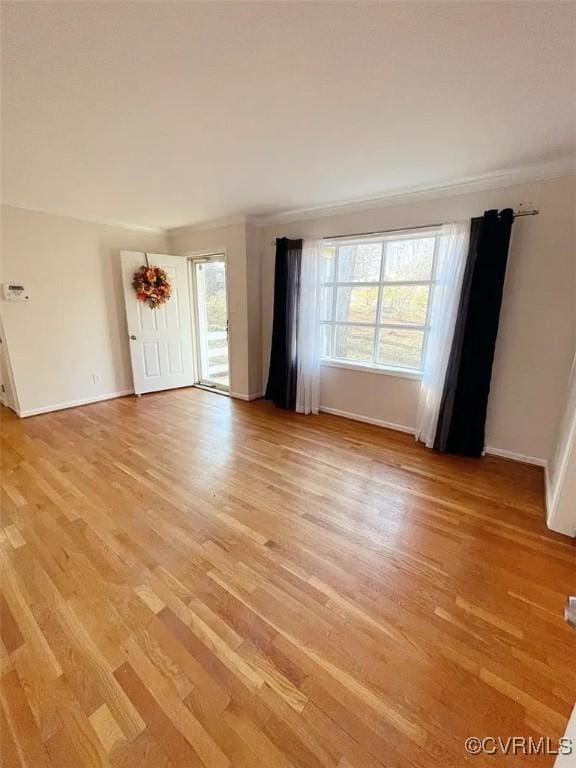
(210, 302)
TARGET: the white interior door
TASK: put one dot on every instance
(160, 339)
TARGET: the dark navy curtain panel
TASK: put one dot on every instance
(281, 388)
(462, 417)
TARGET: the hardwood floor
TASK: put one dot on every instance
(194, 581)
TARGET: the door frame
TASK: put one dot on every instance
(199, 257)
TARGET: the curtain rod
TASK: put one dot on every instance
(517, 214)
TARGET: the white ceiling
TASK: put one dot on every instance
(170, 113)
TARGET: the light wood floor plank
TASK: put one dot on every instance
(248, 587)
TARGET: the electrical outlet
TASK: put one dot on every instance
(96, 378)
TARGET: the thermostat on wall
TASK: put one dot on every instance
(16, 292)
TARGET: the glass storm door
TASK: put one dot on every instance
(209, 284)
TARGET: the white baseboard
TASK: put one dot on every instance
(75, 403)
(410, 430)
(523, 458)
(247, 398)
(368, 420)
(334, 411)
(109, 396)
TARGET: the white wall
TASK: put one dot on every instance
(536, 340)
(254, 290)
(74, 324)
(561, 476)
(243, 275)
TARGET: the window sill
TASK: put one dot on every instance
(402, 373)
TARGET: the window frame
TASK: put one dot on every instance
(372, 366)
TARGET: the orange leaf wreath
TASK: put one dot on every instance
(152, 285)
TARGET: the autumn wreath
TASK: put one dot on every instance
(152, 285)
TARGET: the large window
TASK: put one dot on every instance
(375, 298)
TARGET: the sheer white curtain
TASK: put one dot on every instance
(308, 344)
(451, 260)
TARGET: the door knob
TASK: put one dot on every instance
(133, 337)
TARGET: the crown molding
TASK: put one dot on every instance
(91, 220)
(511, 177)
(202, 226)
(497, 180)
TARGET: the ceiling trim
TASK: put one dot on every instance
(551, 170)
(91, 220)
(564, 167)
(202, 226)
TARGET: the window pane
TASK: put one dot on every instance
(404, 304)
(409, 259)
(400, 347)
(359, 263)
(357, 305)
(354, 343)
(326, 303)
(325, 336)
(328, 259)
